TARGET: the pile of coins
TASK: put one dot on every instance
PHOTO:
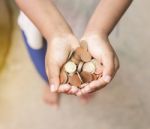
(80, 67)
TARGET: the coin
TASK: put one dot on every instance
(70, 55)
(63, 77)
(77, 53)
(86, 77)
(95, 62)
(74, 80)
(70, 67)
(85, 56)
(79, 77)
(75, 60)
(89, 67)
(94, 76)
(79, 69)
(98, 66)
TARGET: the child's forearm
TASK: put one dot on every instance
(45, 16)
(106, 16)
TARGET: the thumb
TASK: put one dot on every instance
(53, 76)
(109, 68)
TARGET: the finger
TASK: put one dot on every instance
(97, 88)
(109, 67)
(83, 85)
(94, 86)
(64, 88)
(108, 73)
(86, 89)
(101, 82)
(79, 93)
(98, 84)
(53, 76)
(73, 90)
(54, 101)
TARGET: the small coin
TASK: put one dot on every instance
(78, 52)
(74, 80)
(98, 66)
(75, 60)
(79, 77)
(70, 74)
(85, 56)
(94, 76)
(95, 62)
(70, 67)
(84, 44)
(86, 77)
(89, 67)
(63, 77)
(70, 55)
(79, 69)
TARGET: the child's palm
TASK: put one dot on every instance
(57, 53)
(101, 49)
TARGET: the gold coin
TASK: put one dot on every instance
(89, 67)
(85, 56)
(70, 67)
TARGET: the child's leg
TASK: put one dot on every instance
(38, 57)
(34, 42)
(36, 47)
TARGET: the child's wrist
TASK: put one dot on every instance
(60, 36)
(95, 33)
(58, 33)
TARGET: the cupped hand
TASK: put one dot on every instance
(101, 49)
(58, 50)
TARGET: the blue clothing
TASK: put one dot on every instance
(37, 57)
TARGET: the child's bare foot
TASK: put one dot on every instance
(52, 99)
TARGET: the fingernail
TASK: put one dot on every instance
(74, 90)
(107, 78)
(79, 93)
(53, 88)
(66, 87)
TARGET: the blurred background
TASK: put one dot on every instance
(124, 104)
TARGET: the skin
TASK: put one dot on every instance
(101, 24)
(58, 34)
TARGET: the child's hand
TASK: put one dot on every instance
(58, 50)
(101, 49)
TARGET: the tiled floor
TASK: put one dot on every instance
(124, 104)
